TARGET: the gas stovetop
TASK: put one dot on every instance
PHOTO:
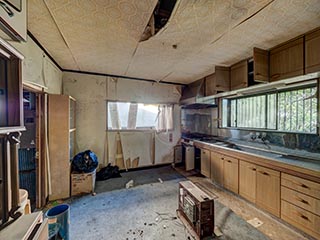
(189, 138)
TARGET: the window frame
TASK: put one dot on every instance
(276, 91)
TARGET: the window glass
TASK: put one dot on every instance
(147, 115)
(289, 111)
(297, 110)
(126, 115)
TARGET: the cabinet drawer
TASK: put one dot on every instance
(301, 185)
(301, 200)
(301, 219)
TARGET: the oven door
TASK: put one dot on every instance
(189, 157)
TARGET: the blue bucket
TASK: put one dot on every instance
(59, 221)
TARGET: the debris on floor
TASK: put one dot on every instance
(217, 231)
(160, 180)
(129, 184)
(108, 172)
(255, 222)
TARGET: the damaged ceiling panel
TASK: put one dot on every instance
(101, 35)
(47, 32)
(105, 36)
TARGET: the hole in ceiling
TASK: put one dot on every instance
(159, 18)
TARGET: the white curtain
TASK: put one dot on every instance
(165, 118)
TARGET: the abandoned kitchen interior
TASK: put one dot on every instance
(159, 119)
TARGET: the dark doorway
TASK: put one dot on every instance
(28, 148)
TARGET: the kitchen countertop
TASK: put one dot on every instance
(297, 158)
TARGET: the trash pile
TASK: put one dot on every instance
(84, 162)
(108, 172)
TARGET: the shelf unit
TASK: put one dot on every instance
(62, 138)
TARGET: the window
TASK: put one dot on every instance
(289, 111)
(126, 115)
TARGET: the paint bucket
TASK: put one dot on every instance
(59, 221)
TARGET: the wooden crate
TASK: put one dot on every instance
(197, 209)
(82, 183)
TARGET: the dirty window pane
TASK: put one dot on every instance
(251, 112)
(272, 111)
(147, 115)
(224, 112)
(126, 115)
(297, 110)
(233, 110)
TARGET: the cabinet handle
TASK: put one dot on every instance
(253, 169)
(222, 158)
(304, 217)
(265, 173)
(229, 161)
(304, 201)
(304, 186)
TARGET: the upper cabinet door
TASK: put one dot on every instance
(312, 52)
(239, 75)
(287, 60)
(261, 65)
(13, 18)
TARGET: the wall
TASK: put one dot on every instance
(37, 67)
(92, 93)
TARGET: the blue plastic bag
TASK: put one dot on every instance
(85, 162)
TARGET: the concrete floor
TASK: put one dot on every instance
(146, 211)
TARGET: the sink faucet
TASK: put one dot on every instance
(263, 137)
(253, 136)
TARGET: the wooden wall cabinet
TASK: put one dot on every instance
(287, 60)
(217, 167)
(60, 121)
(268, 190)
(218, 82)
(312, 52)
(260, 65)
(247, 180)
(205, 163)
(239, 75)
(230, 173)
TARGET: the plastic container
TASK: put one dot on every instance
(23, 200)
(59, 221)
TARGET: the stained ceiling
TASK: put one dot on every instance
(103, 36)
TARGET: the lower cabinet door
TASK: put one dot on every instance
(230, 173)
(268, 190)
(205, 162)
(216, 160)
(247, 180)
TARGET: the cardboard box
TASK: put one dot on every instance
(82, 183)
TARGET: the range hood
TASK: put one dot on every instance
(193, 97)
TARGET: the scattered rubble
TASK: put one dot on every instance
(129, 184)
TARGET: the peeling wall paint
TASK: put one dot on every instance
(143, 92)
(38, 68)
(92, 93)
